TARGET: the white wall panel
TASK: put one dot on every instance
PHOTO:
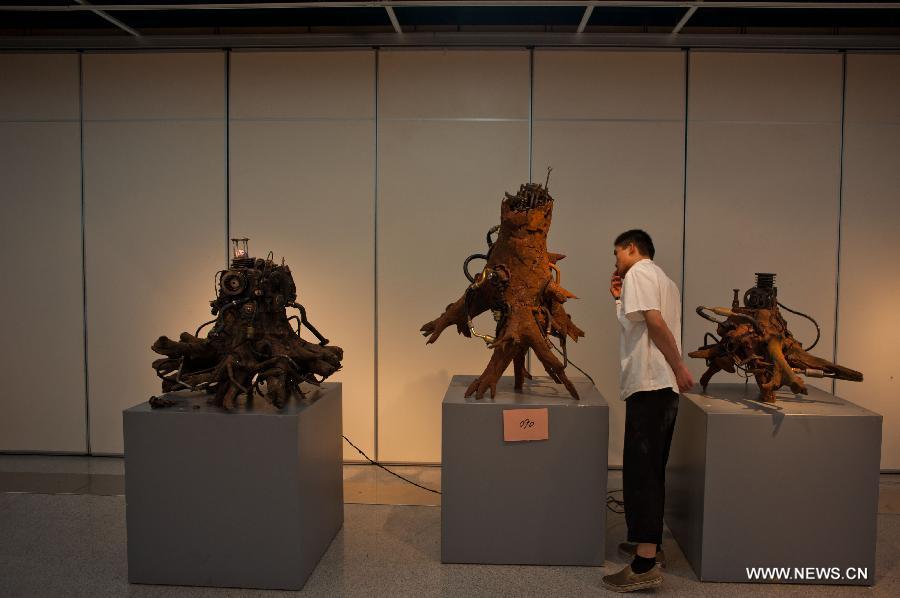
(763, 174)
(453, 84)
(611, 124)
(868, 321)
(43, 398)
(165, 85)
(753, 87)
(453, 137)
(608, 85)
(302, 151)
(302, 84)
(39, 87)
(155, 217)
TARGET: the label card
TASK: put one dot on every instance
(525, 424)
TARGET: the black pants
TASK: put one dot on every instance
(649, 422)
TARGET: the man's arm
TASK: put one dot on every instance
(615, 286)
(664, 340)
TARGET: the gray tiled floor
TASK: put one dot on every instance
(40, 474)
(366, 484)
(74, 544)
(55, 545)
(62, 464)
(363, 484)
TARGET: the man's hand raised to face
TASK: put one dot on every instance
(615, 285)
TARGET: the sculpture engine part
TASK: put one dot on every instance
(520, 284)
(251, 343)
(755, 341)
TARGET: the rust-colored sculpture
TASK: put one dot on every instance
(520, 284)
(755, 340)
(251, 342)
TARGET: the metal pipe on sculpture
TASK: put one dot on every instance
(755, 341)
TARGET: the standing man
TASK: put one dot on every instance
(648, 306)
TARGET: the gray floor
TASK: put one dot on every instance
(73, 544)
(104, 476)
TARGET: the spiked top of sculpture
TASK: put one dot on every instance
(252, 346)
(754, 340)
(521, 285)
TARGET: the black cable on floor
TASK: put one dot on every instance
(373, 462)
(614, 504)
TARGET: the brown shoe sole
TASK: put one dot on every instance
(634, 587)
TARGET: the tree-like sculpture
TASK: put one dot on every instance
(755, 341)
(251, 343)
(520, 284)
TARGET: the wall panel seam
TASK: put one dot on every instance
(227, 157)
(302, 119)
(530, 146)
(456, 119)
(376, 182)
(713, 121)
(589, 119)
(38, 121)
(84, 307)
(840, 214)
(684, 187)
(873, 123)
(157, 119)
(530, 115)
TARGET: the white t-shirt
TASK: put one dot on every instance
(644, 367)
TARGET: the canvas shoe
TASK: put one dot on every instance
(627, 580)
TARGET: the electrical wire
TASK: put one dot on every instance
(612, 503)
(373, 462)
(803, 315)
(570, 362)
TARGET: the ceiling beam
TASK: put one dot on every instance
(687, 17)
(109, 18)
(451, 3)
(393, 17)
(17, 43)
(585, 18)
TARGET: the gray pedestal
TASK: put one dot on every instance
(527, 503)
(250, 498)
(792, 484)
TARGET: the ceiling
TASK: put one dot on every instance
(142, 23)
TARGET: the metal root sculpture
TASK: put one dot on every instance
(520, 284)
(252, 342)
(755, 341)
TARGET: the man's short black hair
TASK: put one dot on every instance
(641, 240)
